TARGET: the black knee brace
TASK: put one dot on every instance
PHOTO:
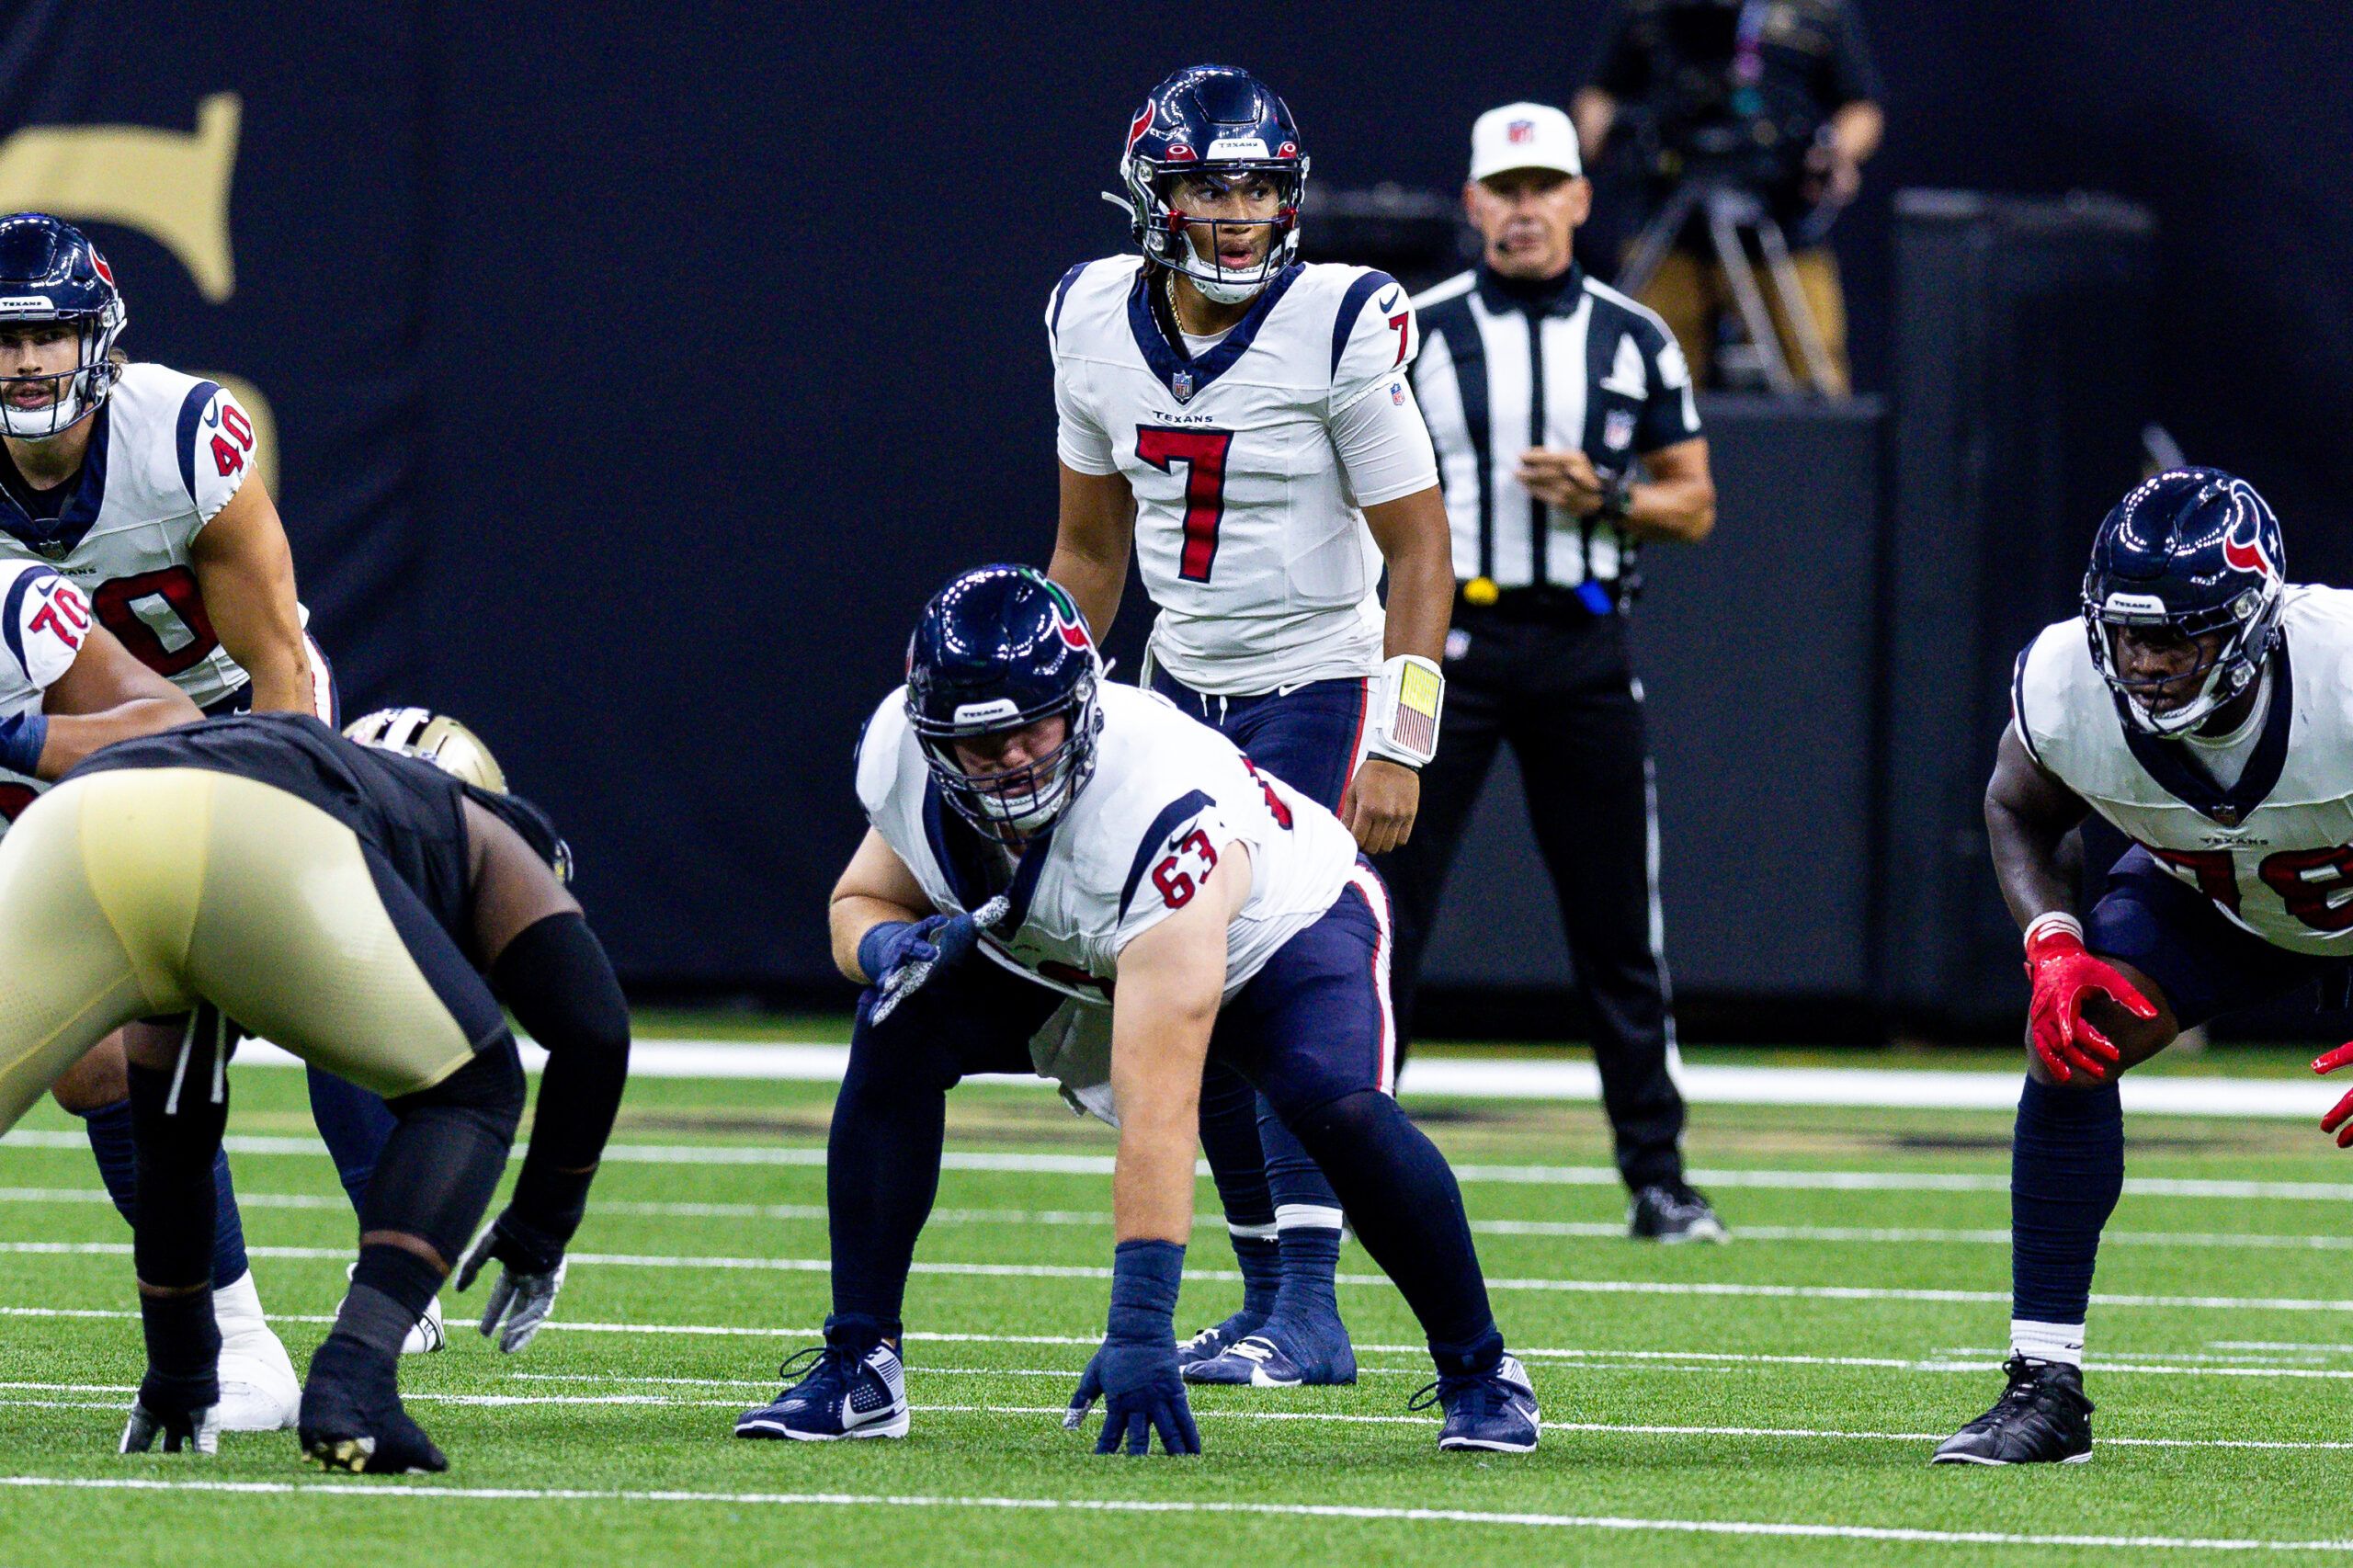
(442, 1162)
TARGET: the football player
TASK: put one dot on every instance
(2197, 706)
(135, 483)
(1035, 835)
(1242, 423)
(372, 911)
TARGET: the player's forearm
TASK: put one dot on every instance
(1158, 1089)
(1093, 581)
(280, 671)
(74, 736)
(2027, 863)
(850, 917)
(1418, 550)
(1679, 510)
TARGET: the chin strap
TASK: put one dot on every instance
(1407, 697)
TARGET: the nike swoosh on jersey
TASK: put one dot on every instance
(1389, 302)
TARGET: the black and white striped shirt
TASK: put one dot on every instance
(1507, 365)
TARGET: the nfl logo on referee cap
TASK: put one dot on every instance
(1519, 132)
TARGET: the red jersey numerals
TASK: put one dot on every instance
(1203, 453)
(140, 607)
(65, 615)
(235, 439)
(1176, 884)
(2316, 885)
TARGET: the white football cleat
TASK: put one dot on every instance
(426, 1335)
(259, 1391)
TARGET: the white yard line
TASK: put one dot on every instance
(1035, 1164)
(1181, 1506)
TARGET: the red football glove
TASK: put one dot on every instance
(2341, 1117)
(2064, 974)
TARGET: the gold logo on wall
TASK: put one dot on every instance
(169, 185)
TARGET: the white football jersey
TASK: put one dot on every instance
(166, 453)
(1249, 537)
(1168, 796)
(44, 618)
(2275, 851)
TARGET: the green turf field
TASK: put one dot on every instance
(1773, 1401)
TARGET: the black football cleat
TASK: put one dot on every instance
(352, 1419)
(2041, 1418)
(1670, 1214)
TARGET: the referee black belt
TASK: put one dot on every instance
(1539, 601)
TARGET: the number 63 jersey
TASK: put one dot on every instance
(166, 453)
(2274, 852)
(1168, 795)
(1250, 459)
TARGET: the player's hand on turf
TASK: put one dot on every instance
(1142, 1395)
(2339, 1120)
(530, 1272)
(900, 955)
(1379, 804)
(2066, 976)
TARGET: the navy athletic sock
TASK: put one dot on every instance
(2066, 1172)
(353, 1124)
(1408, 1213)
(1238, 1165)
(1307, 1223)
(112, 1141)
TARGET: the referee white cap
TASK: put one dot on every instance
(1524, 136)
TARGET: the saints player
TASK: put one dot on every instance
(135, 483)
(2200, 706)
(372, 911)
(1242, 423)
(1037, 834)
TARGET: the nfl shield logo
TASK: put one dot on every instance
(1181, 384)
(1520, 131)
(1617, 429)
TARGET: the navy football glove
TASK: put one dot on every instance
(1135, 1371)
(900, 954)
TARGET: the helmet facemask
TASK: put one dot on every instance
(1018, 803)
(1165, 229)
(2250, 622)
(82, 388)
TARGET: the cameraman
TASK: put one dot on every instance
(1775, 97)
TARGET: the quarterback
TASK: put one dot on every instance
(373, 907)
(2203, 706)
(1037, 834)
(133, 483)
(1242, 424)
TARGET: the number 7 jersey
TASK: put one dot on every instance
(166, 453)
(1250, 460)
(2274, 852)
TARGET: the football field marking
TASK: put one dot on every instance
(1606, 1230)
(1216, 1276)
(1596, 1522)
(1044, 1163)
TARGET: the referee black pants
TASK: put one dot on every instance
(1558, 684)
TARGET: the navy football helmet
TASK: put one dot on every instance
(51, 272)
(1225, 124)
(999, 649)
(2192, 552)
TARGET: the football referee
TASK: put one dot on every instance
(1566, 437)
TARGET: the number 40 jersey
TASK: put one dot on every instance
(1168, 795)
(166, 453)
(1250, 456)
(2274, 852)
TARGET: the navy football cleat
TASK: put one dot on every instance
(1218, 1338)
(2041, 1418)
(1280, 1356)
(1496, 1411)
(840, 1396)
(361, 1428)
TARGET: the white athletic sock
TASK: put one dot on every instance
(2060, 1342)
(1306, 1217)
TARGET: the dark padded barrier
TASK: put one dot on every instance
(2023, 380)
(1756, 653)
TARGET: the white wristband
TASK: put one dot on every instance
(1408, 697)
(2055, 920)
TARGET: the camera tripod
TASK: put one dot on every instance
(1734, 217)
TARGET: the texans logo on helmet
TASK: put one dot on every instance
(100, 263)
(1141, 123)
(1067, 620)
(2247, 555)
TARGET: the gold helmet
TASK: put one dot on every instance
(437, 738)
